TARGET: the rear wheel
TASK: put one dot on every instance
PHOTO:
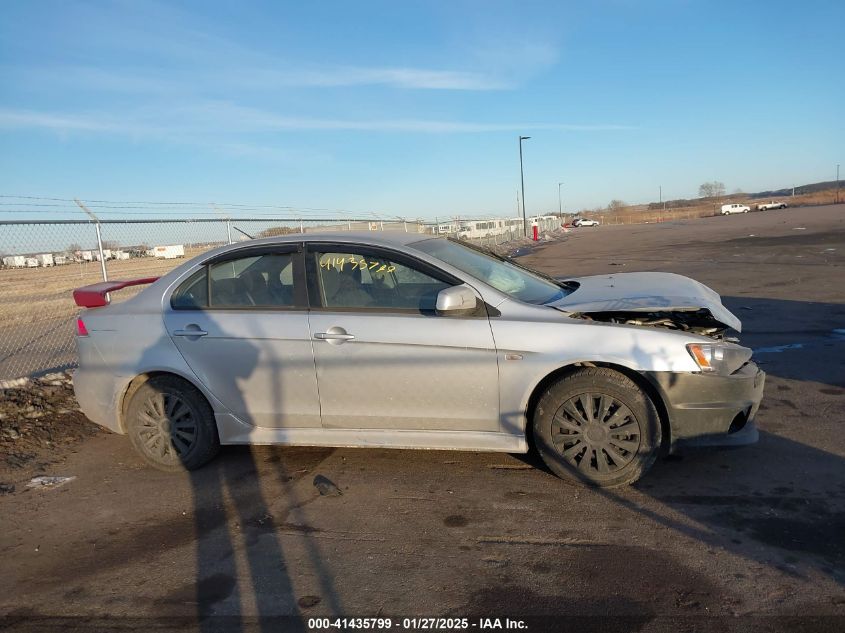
(171, 425)
(596, 426)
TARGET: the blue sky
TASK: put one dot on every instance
(414, 108)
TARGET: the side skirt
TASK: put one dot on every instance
(233, 431)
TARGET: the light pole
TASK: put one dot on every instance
(559, 204)
(522, 182)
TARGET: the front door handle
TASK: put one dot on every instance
(334, 335)
(190, 330)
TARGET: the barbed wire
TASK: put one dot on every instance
(48, 204)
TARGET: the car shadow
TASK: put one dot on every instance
(786, 492)
(245, 503)
(779, 493)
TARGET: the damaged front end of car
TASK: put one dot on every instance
(662, 300)
(714, 406)
(699, 321)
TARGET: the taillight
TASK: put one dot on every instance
(81, 330)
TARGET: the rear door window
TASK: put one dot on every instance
(260, 281)
(192, 294)
(257, 279)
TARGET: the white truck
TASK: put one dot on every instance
(14, 261)
(171, 251)
(768, 206)
(45, 259)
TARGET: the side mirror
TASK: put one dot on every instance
(456, 301)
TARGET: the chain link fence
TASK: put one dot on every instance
(515, 233)
(44, 260)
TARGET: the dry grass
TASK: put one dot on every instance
(641, 214)
(32, 295)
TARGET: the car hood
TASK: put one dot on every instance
(645, 292)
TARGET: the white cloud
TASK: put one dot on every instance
(226, 79)
(215, 118)
(27, 119)
(349, 76)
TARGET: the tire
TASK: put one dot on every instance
(566, 433)
(171, 425)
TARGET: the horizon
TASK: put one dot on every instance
(415, 110)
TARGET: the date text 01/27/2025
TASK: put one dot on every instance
(415, 624)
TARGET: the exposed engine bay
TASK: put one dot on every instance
(692, 321)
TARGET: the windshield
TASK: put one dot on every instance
(507, 277)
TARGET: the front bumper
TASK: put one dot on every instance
(709, 410)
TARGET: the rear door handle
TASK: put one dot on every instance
(331, 336)
(190, 331)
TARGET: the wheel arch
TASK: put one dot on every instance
(141, 379)
(636, 377)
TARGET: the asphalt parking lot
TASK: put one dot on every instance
(735, 540)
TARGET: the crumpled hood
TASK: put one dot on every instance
(644, 292)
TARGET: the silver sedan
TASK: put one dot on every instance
(410, 341)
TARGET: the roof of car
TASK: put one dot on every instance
(386, 238)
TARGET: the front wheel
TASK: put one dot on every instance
(171, 425)
(596, 426)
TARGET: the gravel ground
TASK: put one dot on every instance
(747, 539)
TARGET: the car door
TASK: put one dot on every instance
(384, 358)
(241, 323)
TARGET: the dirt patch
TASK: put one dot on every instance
(39, 420)
(455, 520)
(632, 584)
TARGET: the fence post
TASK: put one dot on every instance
(100, 248)
(349, 225)
(99, 237)
(229, 230)
(301, 226)
(405, 224)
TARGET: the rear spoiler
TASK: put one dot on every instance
(96, 295)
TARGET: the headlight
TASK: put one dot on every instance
(719, 358)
